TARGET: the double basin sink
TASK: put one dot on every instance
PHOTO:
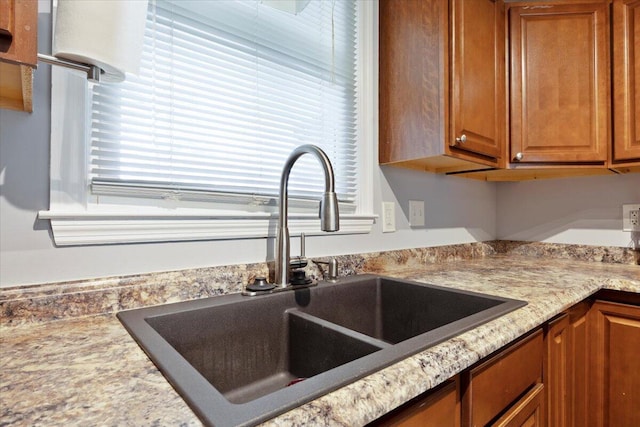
(240, 360)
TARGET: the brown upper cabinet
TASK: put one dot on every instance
(510, 90)
(18, 52)
(442, 84)
(626, 83)
(560, 111)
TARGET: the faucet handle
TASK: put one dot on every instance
(299, 261)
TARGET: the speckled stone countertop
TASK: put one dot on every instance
(83, 368)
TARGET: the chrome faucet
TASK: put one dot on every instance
(329, 216)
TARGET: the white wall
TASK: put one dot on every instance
(457, 211)
(579, 210)
(584, 210)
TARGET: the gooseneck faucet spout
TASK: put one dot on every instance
(329, 216)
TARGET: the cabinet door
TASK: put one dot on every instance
(438, 408)
(527, 412)
(560, 83)
(566, 368)
(494, 385)
(478, 81)
(413, 54)
(626, 80)
(615, 387)
(428, 98)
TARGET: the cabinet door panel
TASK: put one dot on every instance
(579, 373)
(556, 372)
(478, 92)
(626, 80)
(616, 364)
(437, 408)
(498, 382)
(566, 368)
(413, 102)
(527, 412)
(560, 83)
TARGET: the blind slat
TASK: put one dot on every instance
(226, 91)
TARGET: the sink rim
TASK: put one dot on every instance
(213, 408)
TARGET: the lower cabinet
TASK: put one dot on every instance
(526, 412)
(506, 389)
(582, 368)
(615, 350)
(436, 408)
(592, 363)
(566, 367)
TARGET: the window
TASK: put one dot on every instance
(193, 147)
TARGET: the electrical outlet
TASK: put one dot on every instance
(416, 213)
(388, 217)
(630, 217)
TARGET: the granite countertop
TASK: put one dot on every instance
(89, 371)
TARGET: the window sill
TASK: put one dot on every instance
(93, 228)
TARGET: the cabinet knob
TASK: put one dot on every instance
(518, 157)
(461, 139)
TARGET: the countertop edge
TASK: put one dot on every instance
(86, 370)
(340, 402)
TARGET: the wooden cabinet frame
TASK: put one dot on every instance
(615, 393)
(492, 389)
(442, 76)
(426, 105)
(559, 117)
(566, 367)
(18, 53)
(581, 369)
(626, 84)
(439, 407)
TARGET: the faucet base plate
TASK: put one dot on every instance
(250, 293)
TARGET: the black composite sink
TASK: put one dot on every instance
(240, 360)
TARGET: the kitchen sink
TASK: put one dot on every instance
(258, 353)
(240, 360)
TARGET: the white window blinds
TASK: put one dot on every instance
(226, 90)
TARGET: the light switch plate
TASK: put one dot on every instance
(388, 217)
(416, 213)
(631, 217)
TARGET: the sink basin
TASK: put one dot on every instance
(240, 360)
(395, 310)
(247, 356)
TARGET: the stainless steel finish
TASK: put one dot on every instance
(93, 72)
(518, 157)
(301, 260)
(331, 275)
(329, 216)
(461, 139)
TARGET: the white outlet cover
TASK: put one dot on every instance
(629, 213)
(388, 217)
(416, 213)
